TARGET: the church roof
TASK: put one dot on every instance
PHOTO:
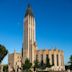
(29, 11)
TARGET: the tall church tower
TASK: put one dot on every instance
(29, 41)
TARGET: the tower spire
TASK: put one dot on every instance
(29, 11)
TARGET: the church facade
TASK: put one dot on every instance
(30, 51)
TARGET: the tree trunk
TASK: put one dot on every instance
(0, 67)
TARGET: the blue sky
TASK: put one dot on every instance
(53, 24)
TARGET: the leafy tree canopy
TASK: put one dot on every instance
(70, 62)
(42, 65)
(27, 65)
(3, 52)
(36, 63)
(5, 68)
(48, 62)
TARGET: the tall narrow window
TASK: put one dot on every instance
(42, 57)
(42, 63)
(52, 59)
(47, 55)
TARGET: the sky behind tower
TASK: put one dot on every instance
(53, 24)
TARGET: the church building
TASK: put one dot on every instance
(30, 49)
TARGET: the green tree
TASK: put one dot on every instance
(42, 65)
(47, 62)
(36, 63)
(5, 68)
(70, 62)
(27, 65)
(3, 52)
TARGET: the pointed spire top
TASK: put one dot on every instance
(29, 11)
(29, 6)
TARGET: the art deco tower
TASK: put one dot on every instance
(29, 42)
